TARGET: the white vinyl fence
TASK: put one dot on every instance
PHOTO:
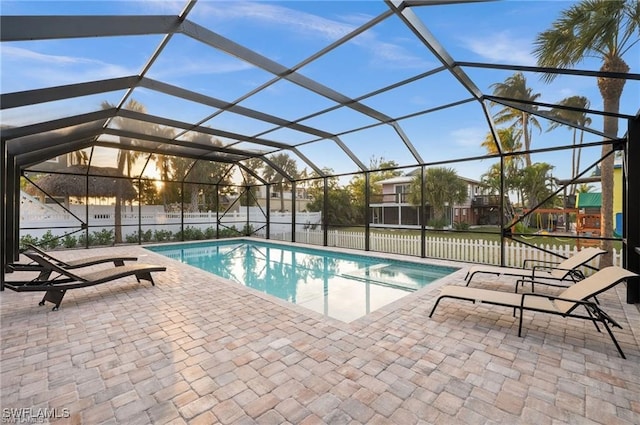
(469, 250)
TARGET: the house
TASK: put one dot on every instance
(275, 204)
(391, 208)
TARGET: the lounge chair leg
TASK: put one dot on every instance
(145, 276)
(613, 338)
(434, 307)
(593, 319)
(520, 324)
(54, 296)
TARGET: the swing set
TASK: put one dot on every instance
(548, 224)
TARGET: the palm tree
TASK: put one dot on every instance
(606, 30)
(509, 143)
(572, 117)
(584, 188)
(536, 184)
(248, 196)
(441, 186)
(126, 157)
(286, 164)
(205, 171)
(515, 87)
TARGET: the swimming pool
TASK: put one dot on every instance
(339, 285)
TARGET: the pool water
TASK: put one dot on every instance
(338, 285)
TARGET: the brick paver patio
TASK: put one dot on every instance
(196, 349)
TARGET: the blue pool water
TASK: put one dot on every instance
(338, 285)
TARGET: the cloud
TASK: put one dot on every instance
(44, 70)
(469, 136)
(17, 53)
(191, 66)
(502, 47)
(298, 21)
(386, 54)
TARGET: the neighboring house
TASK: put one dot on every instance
(392, 207)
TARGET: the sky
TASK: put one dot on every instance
(288, 33)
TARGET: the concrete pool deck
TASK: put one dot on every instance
(197, 349)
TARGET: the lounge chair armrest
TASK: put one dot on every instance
(575, 274)
(524, 263)
(555, 298)
(534, 268)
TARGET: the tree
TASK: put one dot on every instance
(248, 197)
(358, 188)
(441, 186)
(515, 87)
(286, 164)
(204, 175)
(606, 30)
(126, 156)
(340, 209)
(585, 188)
(571, 116)
(536, 184)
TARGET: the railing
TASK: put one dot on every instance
(485, 200)
(390, 198)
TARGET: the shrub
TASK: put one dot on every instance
(147, 236)
(69, 241)
(229, 232)
(461, 225)
(27, 240)
(104, 237)
(210, 232)
(437, 223)
(49, 241)
(133, 238)
(162, 235)
(84, 239)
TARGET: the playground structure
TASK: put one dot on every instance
(555, 221)
(587, 225)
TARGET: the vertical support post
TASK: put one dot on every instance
(86, 210)
(293, 211)
(503, 231)
(217, 207)
(13, 214)
(367, 210)
(423, 217)
(631, 209)
(268, 207)
(139, 211)
(4, 245)
(247, 190)
(182, 210)
(325, 208)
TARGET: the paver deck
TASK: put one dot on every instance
(200, 350)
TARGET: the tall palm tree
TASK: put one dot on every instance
(515, 87)
(572, 117)
(126, 157)
(606, 30)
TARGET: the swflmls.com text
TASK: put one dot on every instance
(32, 415)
